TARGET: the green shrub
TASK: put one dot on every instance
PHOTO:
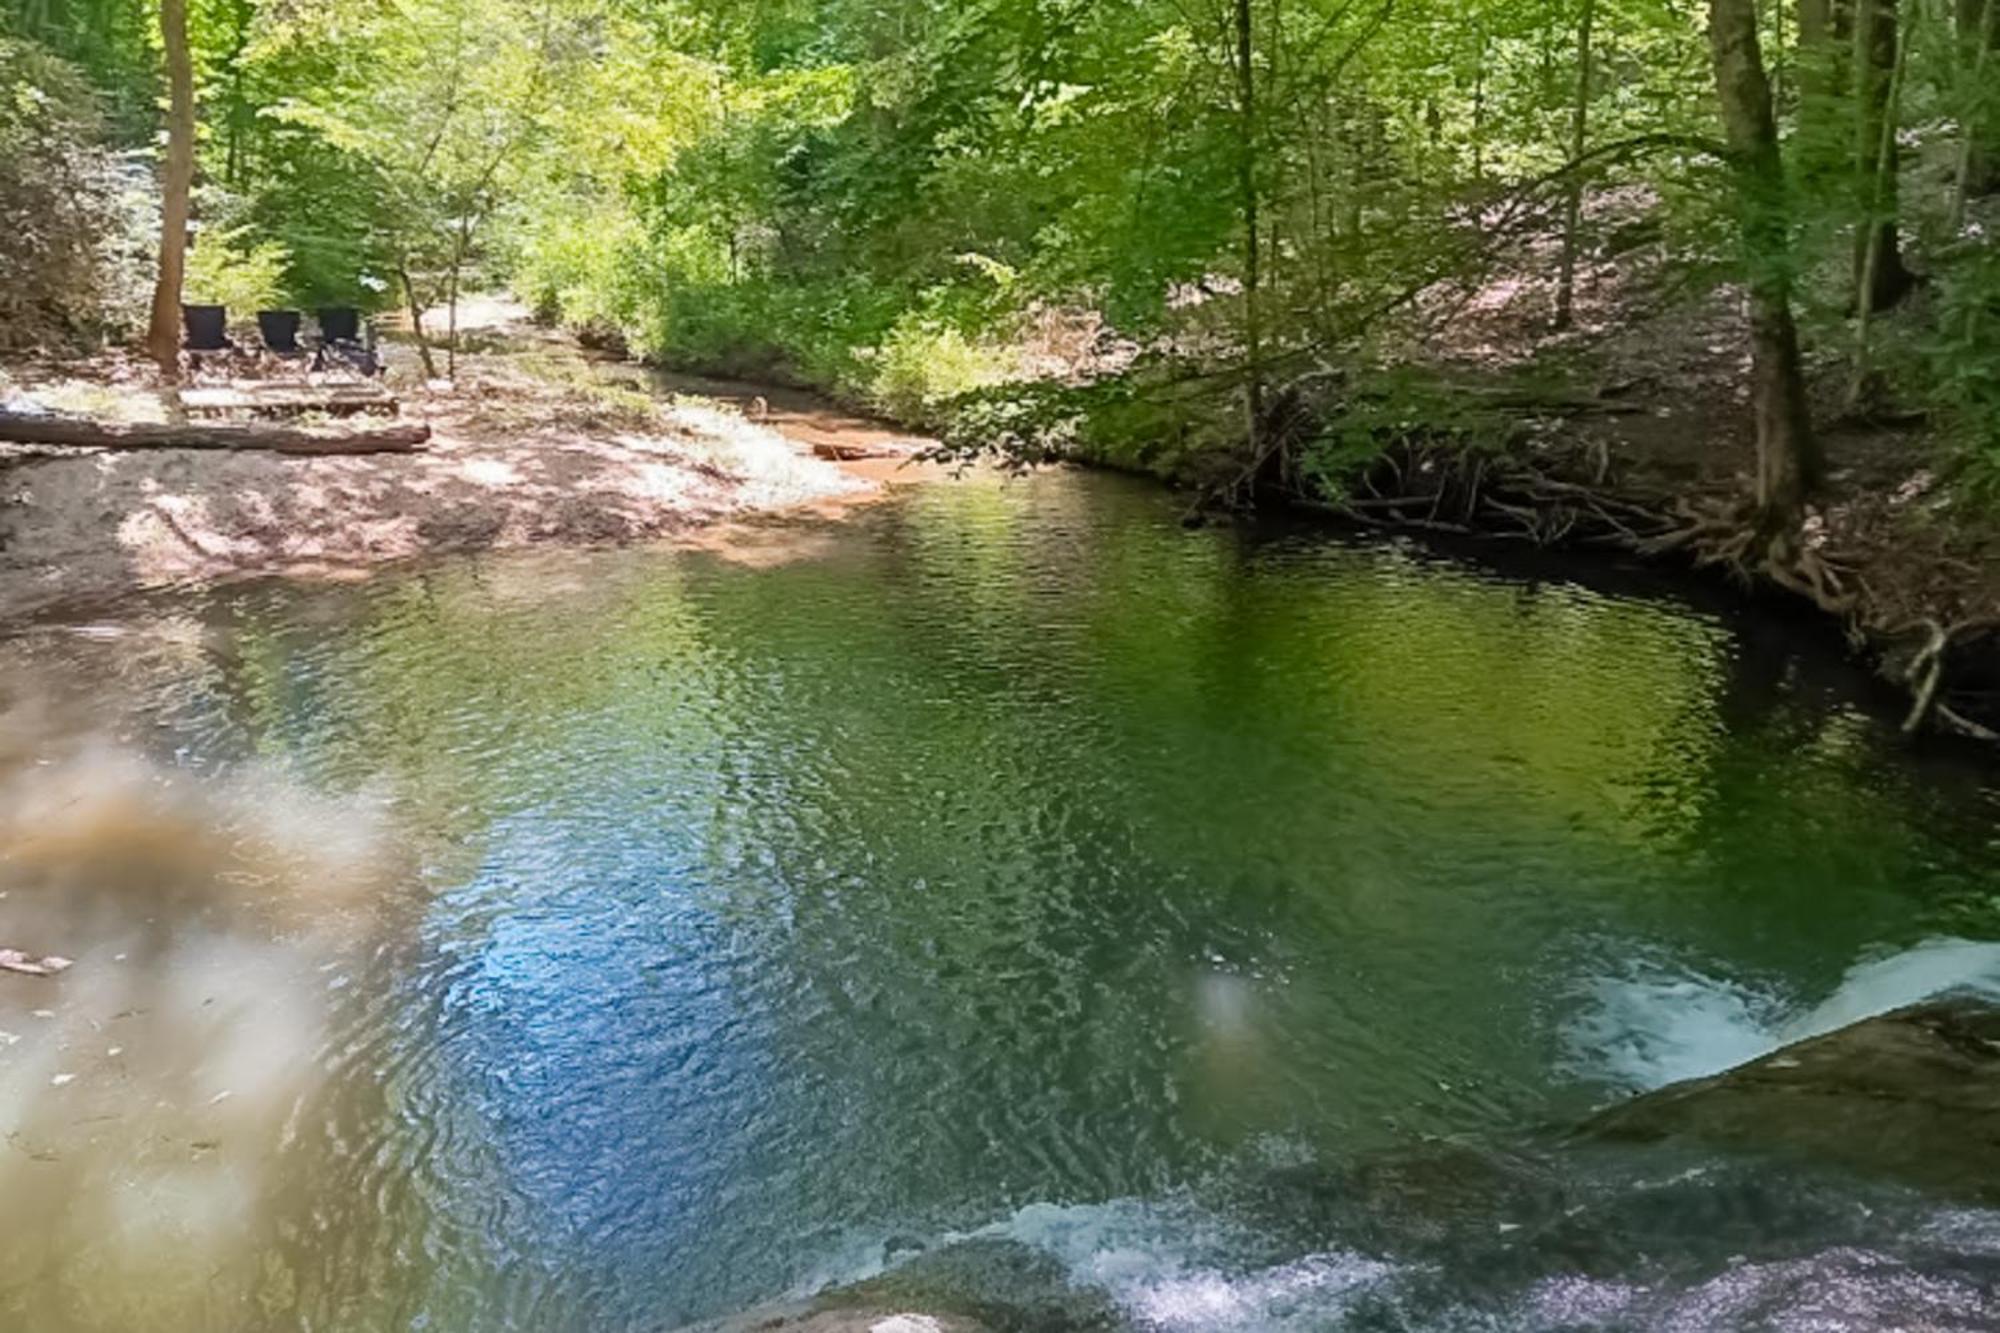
(574, 270)
(227, 268)
(1964, 365)
(922, 366)
(61, 204)
(814, 332)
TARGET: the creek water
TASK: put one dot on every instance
(1191, 930)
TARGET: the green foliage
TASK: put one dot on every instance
(817, 332)
(1359, 418)
(872, 196)
(61, 205)
(873, 193)
(575, 268)
(1964, 359)
(323, 207)
(922, 366)
(231, 268)
(1150, 419)
(416, 126)
(110, 45)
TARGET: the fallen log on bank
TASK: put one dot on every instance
(842, 451)
(72, 433)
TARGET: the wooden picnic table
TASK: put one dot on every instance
(281, 398)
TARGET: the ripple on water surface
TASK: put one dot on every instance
(613, 940)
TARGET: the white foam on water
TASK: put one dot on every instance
(1841, 1289)
(1656, 1026)
(906, 1323)
(1659, 1023)
(1302, 1294)
(1169, 1268)
(1172, 1266)
(1878, 986)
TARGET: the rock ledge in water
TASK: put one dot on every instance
(980, 1284)
(843, 1321)
(1913, 1095)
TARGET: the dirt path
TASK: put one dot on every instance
(535, 443)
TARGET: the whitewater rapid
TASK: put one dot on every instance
(1658, 1022)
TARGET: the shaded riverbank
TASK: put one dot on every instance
(1906, 573)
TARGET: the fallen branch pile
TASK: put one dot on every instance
(1446, 489)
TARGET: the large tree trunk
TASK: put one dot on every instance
(1871, 290)
(1881, 279)
(1788, 459)
(1979, 34)
(1579, 131)
(1253, 315)
(163, 336)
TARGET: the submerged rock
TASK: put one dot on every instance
(842, 1321)
(979, 1285)
(997, 1284)
(1632, 1220)
(1431, 1200)
(1913, 1095)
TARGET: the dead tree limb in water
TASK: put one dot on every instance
(281, 440)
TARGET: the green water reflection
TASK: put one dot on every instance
(1015, 848)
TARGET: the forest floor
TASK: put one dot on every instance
(534, 442)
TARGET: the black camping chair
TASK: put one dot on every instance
(205, 328)
(342, 343)
(280, 331)
(339, 324)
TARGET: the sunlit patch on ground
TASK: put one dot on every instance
(533, 445)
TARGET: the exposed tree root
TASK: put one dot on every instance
(1925, 673)
(1439, 486)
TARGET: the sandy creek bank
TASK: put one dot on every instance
(534, 444)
